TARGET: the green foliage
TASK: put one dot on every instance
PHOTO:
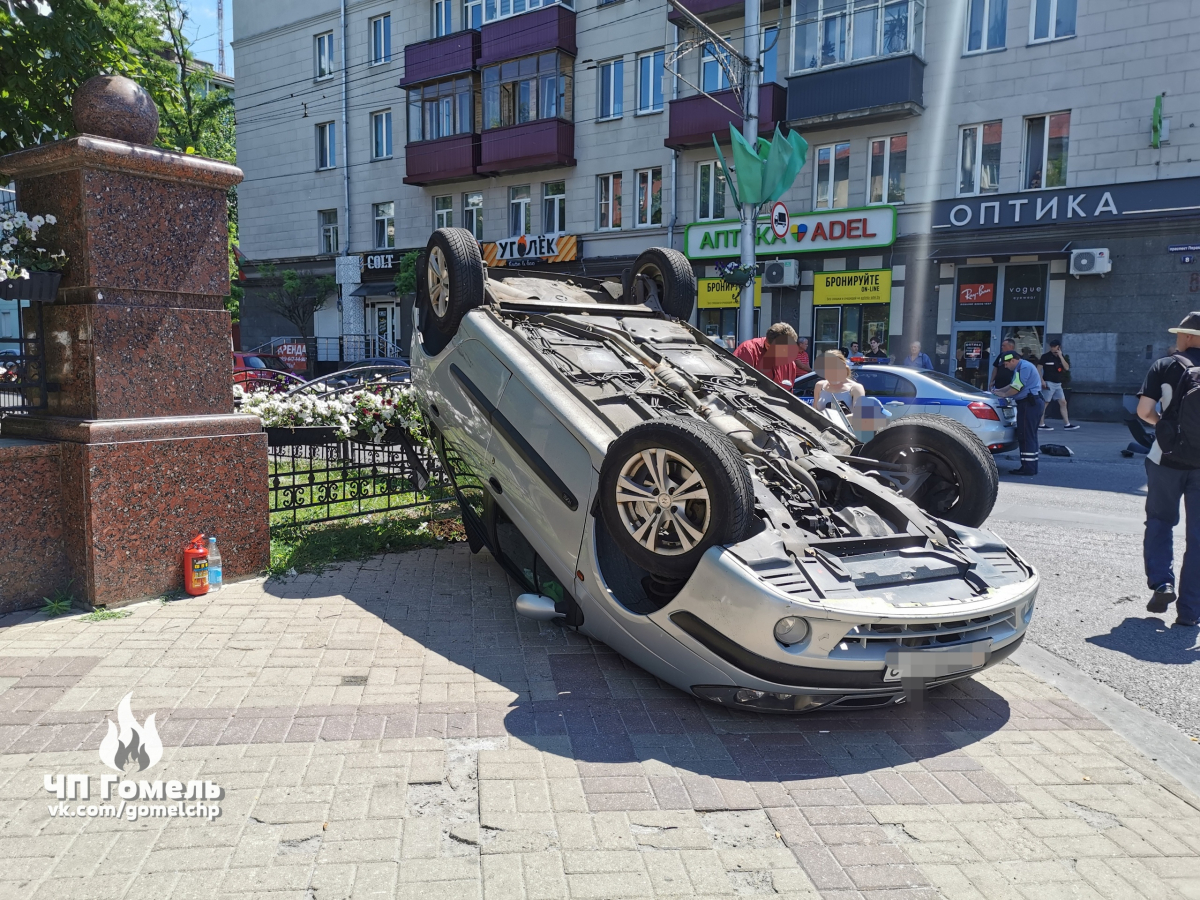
(299, 295)
(406, 279)
(61, 603)
(101, 614)
(313, 548)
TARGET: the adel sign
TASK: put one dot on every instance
(825, 231)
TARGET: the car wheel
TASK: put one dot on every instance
(453, 277)
(962, 481)
(670, 489)
(672, 276)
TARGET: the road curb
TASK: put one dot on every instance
(1162, 742)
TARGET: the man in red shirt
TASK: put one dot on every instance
(774, 355)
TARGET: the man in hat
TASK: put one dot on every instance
(1171, 476)
(1026, 389)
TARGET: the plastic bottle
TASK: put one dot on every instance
(214, 565)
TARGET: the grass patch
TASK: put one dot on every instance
(100, 614)
(60, 604)
(311, 548)
(313, 489)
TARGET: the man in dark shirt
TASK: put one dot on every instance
(1055, 366)
(1168, 482)
(1001, 376)
(876, 352)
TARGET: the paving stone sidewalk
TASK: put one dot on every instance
(392, 729)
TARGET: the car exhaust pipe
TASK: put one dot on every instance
(537, 606)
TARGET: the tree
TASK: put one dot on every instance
(299, 296)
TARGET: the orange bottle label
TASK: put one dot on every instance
(199, 573)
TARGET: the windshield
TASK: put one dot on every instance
(266, 362)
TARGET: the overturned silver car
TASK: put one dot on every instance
(653, 491)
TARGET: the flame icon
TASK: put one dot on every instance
(134, 742)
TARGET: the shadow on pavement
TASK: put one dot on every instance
(1151, 639)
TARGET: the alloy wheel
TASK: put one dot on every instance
(663, 502)
(438, 282)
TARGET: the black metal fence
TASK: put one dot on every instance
(23, 385)
(314, 477)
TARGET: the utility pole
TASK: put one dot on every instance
(221, 36)
(750, 50)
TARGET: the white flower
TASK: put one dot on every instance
(38, 221)
(50, 220)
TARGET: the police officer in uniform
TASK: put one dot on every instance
(1026, 389)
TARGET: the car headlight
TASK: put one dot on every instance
(791, 630)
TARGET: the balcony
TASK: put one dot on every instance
(695, 119)
(876, 91)
(546, 143)
(446, 55)
(446, 159)
(709, 10)
(549, 28)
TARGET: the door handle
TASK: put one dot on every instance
(495, 485)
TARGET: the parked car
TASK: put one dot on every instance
(263, 371)
(648, 488)
(394, 369)
(906, 392)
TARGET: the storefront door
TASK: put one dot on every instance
(993, 303)
(837, 327)
(384, 325)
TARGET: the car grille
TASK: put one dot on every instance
(891, 635)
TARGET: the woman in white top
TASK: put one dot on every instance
(837, 384)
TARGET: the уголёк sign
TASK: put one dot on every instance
(832, 230)
(530, 249)
(867, 286)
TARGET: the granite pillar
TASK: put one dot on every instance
(138, 357)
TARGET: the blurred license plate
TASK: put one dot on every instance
(936, 663)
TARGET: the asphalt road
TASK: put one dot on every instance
(1080, 523)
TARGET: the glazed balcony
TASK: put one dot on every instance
(548, 28)
(446, 55)
(695, 119)
(879, 91)
(546, 143)
(446, 159)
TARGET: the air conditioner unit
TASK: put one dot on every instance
(1090, 262)
(781, 273)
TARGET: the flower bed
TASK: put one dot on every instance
(19, 253)
(366, 414)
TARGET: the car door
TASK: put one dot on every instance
(895, 391)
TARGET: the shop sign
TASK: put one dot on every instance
(867, 286)
(529, 250)
(976, 294)
(1132, 202)
(713, 293)
(972, 354)
(381, 262)
(294, 354)
(826, 231)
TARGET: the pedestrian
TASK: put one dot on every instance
(855, 352)
(1000, 376)
(1026, 389)
(1055, 366)
(1173, 472)
(802, 360)
(876, 352)
(916, 359)
(774, 355)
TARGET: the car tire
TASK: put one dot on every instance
(668, 539)
(963, 481)
(672, 274)
(453, 277)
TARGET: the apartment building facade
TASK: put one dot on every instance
(961, 152)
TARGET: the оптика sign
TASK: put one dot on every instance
(824, 231)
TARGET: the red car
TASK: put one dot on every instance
(255, 371)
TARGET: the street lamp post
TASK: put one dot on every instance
(749, 211)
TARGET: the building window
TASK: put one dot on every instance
(979, 159)
(443, 212)
(323, 50)
(473, 13)
(385, 225)
(832, 184)
(710, 191)
(830, 33)
(326, 145)
(608, 204)
(328, 237)
(520, 217)
(889, 157)
(441, 109)
(769, 58)
(523, 90)
(987, 21)
(714, 75)
(554, 207)
(442, 19)
(473, 214)
(1046, 140)
(381, 40)
(650, 81)
(649, 197)
(1051, 19)
(612, 94)
(502, 9)
(381, 134)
